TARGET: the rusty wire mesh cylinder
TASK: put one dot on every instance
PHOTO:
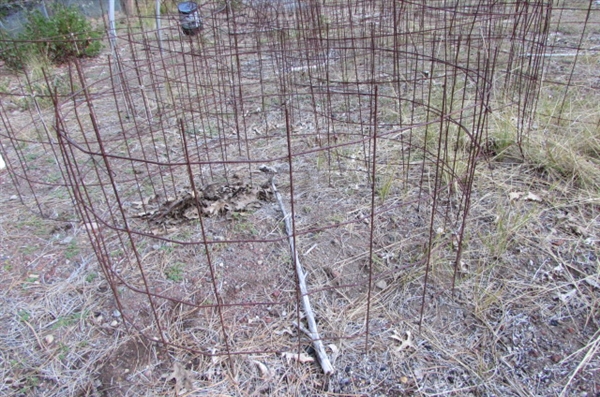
(367, 119)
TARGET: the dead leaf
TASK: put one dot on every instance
(592, 282)
(146, 214)
(266, 169)
(301, 358)
(91, 226)
(216, 207)
(381, 284)
(533, 197)
(332, 273)
(265, 372)
(191, 213)
(138, 205)
(183, 378)
(567, 296)
(49, 339)
(284, 331)
(512, 196)
(405, 343)
(455, 241)
(240, 202)
(335, 352)
(577, 229)
(214, 359)
(214, 199)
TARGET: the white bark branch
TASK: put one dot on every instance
(310, 318)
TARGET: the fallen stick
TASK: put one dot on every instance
(312, 331)
(569, 54)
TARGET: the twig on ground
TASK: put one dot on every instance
(592, 348)
(312, 331)
(37, 338)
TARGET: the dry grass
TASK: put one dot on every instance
(522, 318)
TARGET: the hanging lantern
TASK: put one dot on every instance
(189, 18)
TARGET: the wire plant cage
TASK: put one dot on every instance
(367, 118)
(340, 137)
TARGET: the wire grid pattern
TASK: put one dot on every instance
(369, 116)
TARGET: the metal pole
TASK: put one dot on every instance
(112, 30)
(45, 10)
(158, 24)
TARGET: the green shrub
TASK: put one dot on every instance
(13, 52)
(66, 34)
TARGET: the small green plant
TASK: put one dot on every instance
(31, 382)
(72, 250)
(28, 249)
(508, 224)
(24, 315)
(386, 186)
(116, 253)
(63, 322)
(241, 225)
(32, 279)
(175, 272)
(167, 249)
(66, 34)
(41, 93)
(69, 320)
(32, 222)
(15, 364)
(91, 277)
(64, 351)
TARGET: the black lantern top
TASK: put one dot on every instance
(187, 7)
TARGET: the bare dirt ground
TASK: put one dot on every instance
(522, 320)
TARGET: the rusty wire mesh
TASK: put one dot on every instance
(368, 116)
(29, 148)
